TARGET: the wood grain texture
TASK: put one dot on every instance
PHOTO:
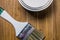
(47, 21)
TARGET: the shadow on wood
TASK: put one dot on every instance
(44, 13)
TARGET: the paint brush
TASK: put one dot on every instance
(24, 30)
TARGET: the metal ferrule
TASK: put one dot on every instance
(26, 32)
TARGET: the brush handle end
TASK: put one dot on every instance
(1, 10)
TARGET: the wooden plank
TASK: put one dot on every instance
(46, 21)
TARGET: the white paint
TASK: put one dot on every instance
(17, 25)
(35, 3)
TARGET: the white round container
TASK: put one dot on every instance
(35, 5)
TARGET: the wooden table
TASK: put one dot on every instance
(47, 21)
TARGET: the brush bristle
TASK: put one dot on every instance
(29, 33)
(35, 35)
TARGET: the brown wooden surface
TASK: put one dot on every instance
(47, 21)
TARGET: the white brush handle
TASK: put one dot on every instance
(7, 17)
(19, 26)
